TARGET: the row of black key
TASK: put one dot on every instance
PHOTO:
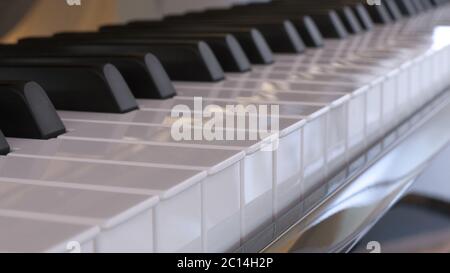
(104, 71)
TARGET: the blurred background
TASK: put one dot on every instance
(21, 18)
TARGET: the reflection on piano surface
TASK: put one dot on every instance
(89, 161)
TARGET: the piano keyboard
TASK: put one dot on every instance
(103, 173)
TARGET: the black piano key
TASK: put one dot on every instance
(4, 146)
(183, 60)
(251, 40)
(328, 21)
(93, 88)
(438, 2)
(314, 9)
(393, 9)
(350, 21)
(254, 44)
(363, 16)
(281, 36)
(225, 46)
(309, 32)
(379, 14)
(330, 25)
(144, 73)
(418, 5)
(406, 7)
(291, 11)
(305, 26)
(324, 20)
(27, 112)
(348, 18)
(427, 4)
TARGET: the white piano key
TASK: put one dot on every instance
(314, 143)
(327, 62)
(177, 189)
(154, 117)
(218, 163)
(439, 69)
(437, 63)
(433, 83)
(367, 52)
(144, 118)
(374, 110)
(156, 134)
(355, 58)
(270, 86)
(380, 57)
(126, 220)
(404, 90)
(288, 172)
(375, 120)
(334, 133)
(314, 151)
(373, 102)
(429, 75)
(222, 212)
(337, 136)
(287, 96)
(257, 211)
(287, 180)
(302, 77)
(444, 64)
(354, 61)
(442, 69)
(390, 100)
(29, 235)
(331, 132)
(418, 82)
(90, 175)
(256, 195)
(447, 66)
(286, 109)
(357, 122)
(283, 161)
(289, 134)
(211, 160)
(257, 161)
(425, 92)
(180, 235)
(332, 67)
(268, 90)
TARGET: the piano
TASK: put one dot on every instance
(218, 126)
